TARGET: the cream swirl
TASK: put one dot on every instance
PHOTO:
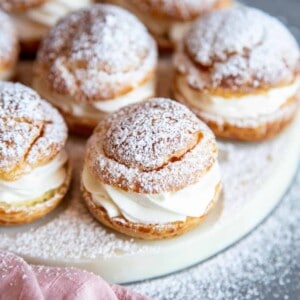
(249, 106)
(35, 184)
(191, 201)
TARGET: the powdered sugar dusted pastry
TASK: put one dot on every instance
(9, 47)
(168, 20)
(94, 62)
(238, 70)
(34, 169)
(33, 18)
(151, 170)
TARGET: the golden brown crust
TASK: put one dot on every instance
(164, 43)
(175, 10)
(78, 125)
(240, 49)
(144, 231)
(81, 125)
(151, 147)
(260, 133)
(23, 215)
(265, 129)
(20, 5)
(32, 132)
(88, 58)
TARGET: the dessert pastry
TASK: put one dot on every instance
(168, 20)
(33, 18)
(34, 168)
(151, 170)
(94, 62)
(9, 47)
(238, 70)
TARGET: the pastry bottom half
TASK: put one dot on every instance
(247, 130)
(147, 231)
(35, 209)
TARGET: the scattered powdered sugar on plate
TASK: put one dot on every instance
(262, 266)
(70, 233)
(244, 166)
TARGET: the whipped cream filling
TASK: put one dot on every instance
(35, 184)
(250, 106)
(35, 22)
(191, 201)
(96, 110)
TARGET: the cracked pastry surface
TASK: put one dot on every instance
(94, 62)
(168, 20)
(34, 168)
(152, 166)
(238, 69)
(33, 18)
(9, 47)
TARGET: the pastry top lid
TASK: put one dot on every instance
(20, 5)
(32, 132)
(96, 54)
(240, 48)
(176, 9)
(151, 147)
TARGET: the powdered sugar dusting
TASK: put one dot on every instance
(239, 48)
(152, 147)
(31, 131)
(97, 53)
(150, 134)
(262, 266)
(72, 234)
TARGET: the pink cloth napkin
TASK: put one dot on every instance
(20, 281)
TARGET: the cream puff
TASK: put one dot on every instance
(238, 70)
(168, 20)
(151, 170)
(9, 47)
(94, 62)
(33, 18)
(34, 167)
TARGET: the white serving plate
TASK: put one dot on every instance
(256, 177)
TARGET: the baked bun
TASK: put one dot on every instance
(34, 168)
(33, 18)
(151, 170)
(9, 47)
(238, 70)
(94, 62)
(168, 20)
